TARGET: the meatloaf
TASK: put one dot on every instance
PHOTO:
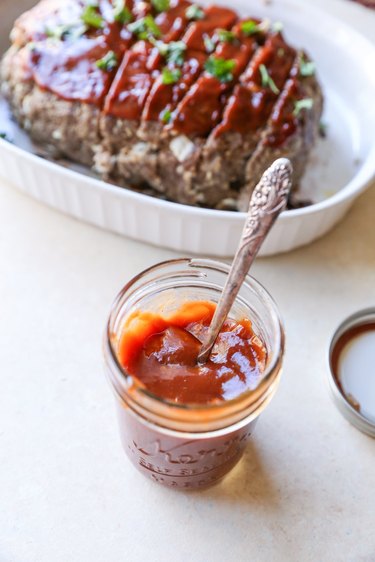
(191, 102)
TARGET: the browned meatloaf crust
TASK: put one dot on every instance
(192, 102)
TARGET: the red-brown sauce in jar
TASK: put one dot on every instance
(182, 424)
(161, 353)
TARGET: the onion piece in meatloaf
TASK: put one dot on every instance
(191, 102)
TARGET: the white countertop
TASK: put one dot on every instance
(305, 489)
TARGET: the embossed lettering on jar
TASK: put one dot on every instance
(178, 444)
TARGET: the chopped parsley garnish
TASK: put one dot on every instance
(306, 67)
(174, 52)
(91, 17)
(170, 75)
(166, 115)
(323, 129)
(32, 46)
(63, 31)
(145, 28)
(161, 5)
(267, 81)
(225, 36)
(108, 62)
(277, 27)
(222, 69)
(249, 27)
(299, 105)
(220, 35)
(160, 45)
(194, 12)
(209, 43)
(5, 137)
(121, 13)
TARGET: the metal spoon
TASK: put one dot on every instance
(269, 198)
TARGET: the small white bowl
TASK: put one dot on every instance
(340, 168)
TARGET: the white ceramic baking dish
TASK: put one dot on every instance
(341, 167)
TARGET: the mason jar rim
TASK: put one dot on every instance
(231, 405)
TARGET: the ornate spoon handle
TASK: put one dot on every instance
(269, 198)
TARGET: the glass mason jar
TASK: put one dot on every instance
(183, 445)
